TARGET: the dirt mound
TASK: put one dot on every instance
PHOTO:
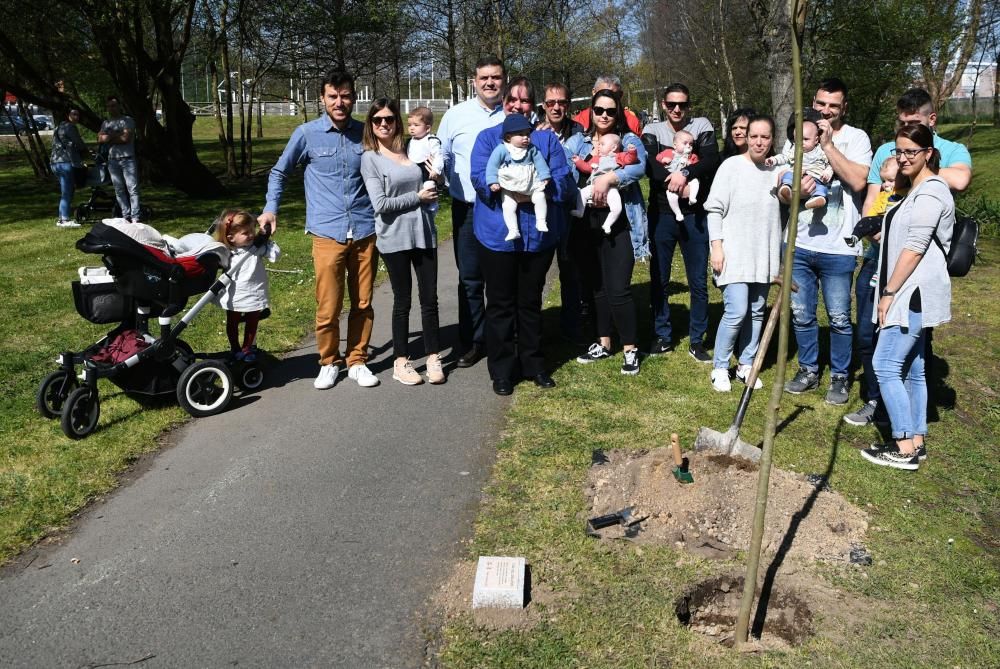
(713, 516)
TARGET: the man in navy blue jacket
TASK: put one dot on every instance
(515, 270)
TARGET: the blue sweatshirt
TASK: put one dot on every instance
(487, 216)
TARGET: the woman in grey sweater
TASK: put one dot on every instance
(405, 235)
(744, 232)
(914, 294)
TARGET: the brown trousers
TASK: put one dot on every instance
(358, 259)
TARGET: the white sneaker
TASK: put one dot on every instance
(362, 375)
(743, 371)
(67, 224)
(327, 377)
(720, 380)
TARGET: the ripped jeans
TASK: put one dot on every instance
(813, 270)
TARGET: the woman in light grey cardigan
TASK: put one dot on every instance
(744, 231)
(405, 235)
(914, 294)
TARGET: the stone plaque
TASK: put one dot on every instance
(499, 583)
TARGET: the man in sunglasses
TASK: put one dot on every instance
(555, 105)
(666, 232)
(915, 106)
(341, 221)
(613, 83)
(823, 259)
(458, 131)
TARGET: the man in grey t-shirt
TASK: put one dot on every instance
(118, 132)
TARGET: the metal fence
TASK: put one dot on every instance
(313, 107)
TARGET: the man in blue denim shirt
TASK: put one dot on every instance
(340, 218)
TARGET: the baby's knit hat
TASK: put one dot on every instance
(515, 123)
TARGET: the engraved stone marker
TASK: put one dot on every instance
(499, 583)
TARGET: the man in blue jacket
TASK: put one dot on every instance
(341, 221)
(515, 270)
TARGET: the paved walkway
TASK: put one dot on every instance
(299, 528)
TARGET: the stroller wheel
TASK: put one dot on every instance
(80, 413)
(82, 213)
(205, 388)
(252, 378)
(52, 393)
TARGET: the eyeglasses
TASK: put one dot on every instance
(676, 105)
(552, 103)
(909, 153)
(604, 111)
(383, 120)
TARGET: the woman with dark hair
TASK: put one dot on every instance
(914, 295)
(744, 232)
(606, 260)
(67, 153)
(405, 235)
(737, 124)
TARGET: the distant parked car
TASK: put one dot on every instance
(44, 122)
(10, 125)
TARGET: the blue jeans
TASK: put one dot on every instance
(740, 300)
(812, 270)
(125, 178)
(865, 334)
(899, 365)
(471, 285)
(665, 234)
(67, 186)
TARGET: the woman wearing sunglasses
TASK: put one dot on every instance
(606, 260)
(405, 235)
(914, 294)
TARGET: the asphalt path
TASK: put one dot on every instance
(300, 528)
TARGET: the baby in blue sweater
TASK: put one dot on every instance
(518, 169)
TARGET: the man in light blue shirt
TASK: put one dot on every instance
(915, 106)
(341, 220)
(458, 131)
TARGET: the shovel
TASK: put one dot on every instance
(730, 443)
(680, 472)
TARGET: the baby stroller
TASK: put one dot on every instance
(103, 204)
(145, 276)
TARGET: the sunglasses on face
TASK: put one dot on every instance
(676, 105)
(383, 120)
(552, 103)
(604, 111)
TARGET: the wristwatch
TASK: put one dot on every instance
(888, 293)
(685, 173)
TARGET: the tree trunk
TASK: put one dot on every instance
(772, 19)
(452, 54)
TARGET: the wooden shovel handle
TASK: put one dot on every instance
(675, 446)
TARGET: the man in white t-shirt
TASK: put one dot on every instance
(823, 260)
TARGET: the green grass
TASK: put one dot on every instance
(45, 478)
(934, 603)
